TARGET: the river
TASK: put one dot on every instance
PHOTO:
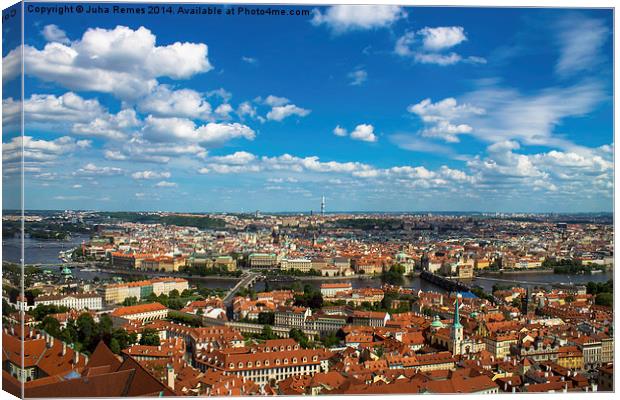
(46, 252)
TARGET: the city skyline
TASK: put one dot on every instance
(378, 108)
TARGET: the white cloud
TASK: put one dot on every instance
(246, 108)
(249, 60)
(91, 169)
(39, 150)
(274, 101)
(237, 158)
(137, 149)
(165, 184)
(145, 175)
(429, 45)
(580, 40)
(164, 101)
(530, 118)
(120, 61)
(358, 77)
(443, 37)
(223, 111)
(364, 132)
(343, 18)
(109, 126)
(339, 131)
(439, 118)
(71, 112)
(280, 112)
(52, 33)
(174, 129)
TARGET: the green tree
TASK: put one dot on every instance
(299, 337)
(130, 301)
(51, 326)
(115, 346)
(266, 318)
(267, 333)
(604, 299)
(149, 337)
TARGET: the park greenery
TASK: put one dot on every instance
(83, 334)
(603, 292)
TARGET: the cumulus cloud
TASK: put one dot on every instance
(364, 132)
(91, 169)
(175, 129)
(148, 174)
(439, 118)
(340, 131)
(430, 45)
(344, 18)
(278, 113)
(52, 33)
(120, 61)
(138, 149)
(39, 150)
(165, 101)
(443, 37)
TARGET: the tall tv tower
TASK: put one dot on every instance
(322, 206)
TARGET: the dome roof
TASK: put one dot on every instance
(437, 322)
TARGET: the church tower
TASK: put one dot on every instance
(456, 332)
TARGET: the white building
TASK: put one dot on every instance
(78, 301)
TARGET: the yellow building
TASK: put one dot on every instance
(570, 357)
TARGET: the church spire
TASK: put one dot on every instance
(457, 321)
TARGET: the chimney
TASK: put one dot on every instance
(76, 357)
(64, 348)
(170, 376)
(594, 387)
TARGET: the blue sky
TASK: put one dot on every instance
(378, 108)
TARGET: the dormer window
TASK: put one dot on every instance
(231, 365)
(286, 361)
(240, 365)
(267, 363)
(294, 360)
(315, 358)
(249, 364)
(305, 359)
(278, 361)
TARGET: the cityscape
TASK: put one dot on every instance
(383, 200)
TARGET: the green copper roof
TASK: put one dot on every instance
(457, 319)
